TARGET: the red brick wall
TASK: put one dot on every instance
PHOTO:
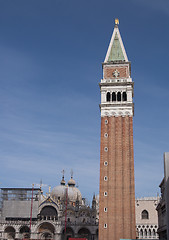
(120, 201)
(108, 71)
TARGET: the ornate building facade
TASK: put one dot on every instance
(146, 217)
(163, 206)
(63, 203)
(25, 215)
(117, 191)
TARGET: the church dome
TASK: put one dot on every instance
(71, 182)
(59, 192)
(74, 194)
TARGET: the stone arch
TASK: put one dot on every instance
(24, 232)
(9, 232)
(46, 230)
(47, 204)
(108, 96)
(149, 233)
(46, 235)
(141, 233)
(119, 96)
(124, 96)
(113, 97)
(154, 232)
(84, 233)
(69, 233)
(48, 213)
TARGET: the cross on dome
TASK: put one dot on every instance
(71, 173)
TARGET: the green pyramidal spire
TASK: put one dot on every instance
(116, 50)
(116, 53)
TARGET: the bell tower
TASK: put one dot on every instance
(117, 190)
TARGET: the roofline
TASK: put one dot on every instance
(161, 182)
(116, 30)
(28, 189)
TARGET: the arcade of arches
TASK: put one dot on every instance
(48, 221)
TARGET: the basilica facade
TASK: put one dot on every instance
(63, 213)
(26, 213)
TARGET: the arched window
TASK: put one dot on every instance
(24, 229)
(84, 233)
(49, 211)
(149, 233)
(10, 232)
(69, 233)
(113, 96)
(144, 214)
(154, 233)
(141, 233)
(119, 96)
(46, 230)
(25, 232)
(108, 97)
(145, 233)
(124, 96)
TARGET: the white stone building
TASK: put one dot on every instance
(146, 217)
(163, 206)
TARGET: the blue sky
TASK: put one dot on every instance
(50, 66)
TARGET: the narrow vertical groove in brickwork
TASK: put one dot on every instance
(107, 159)
(113, 162)
(123, 152)
(111, 205)
(115, 182)
(127, 178)
(132, 178)
(118, 177)
(123, 162)
(130, 174)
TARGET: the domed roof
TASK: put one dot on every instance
(74, 194)
(71, 182)
(62, 181)
(59, 192)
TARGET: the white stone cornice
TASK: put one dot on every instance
(117, 113)
(121, 80)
